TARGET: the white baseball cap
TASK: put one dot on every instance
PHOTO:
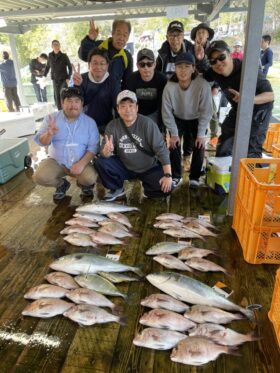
(126, 94)
(238, 43)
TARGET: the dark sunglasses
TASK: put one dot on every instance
(221, 57)
(143, 64)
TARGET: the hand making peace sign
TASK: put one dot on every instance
(77, 77)
(108, 146)
(52, 129)
(93, 31)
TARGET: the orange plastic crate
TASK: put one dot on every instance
(276, 151)
(260, 244)
(274, 313)
(258, 189)
(272, 137)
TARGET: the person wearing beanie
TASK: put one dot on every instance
(9, 82)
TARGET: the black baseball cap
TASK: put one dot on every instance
(186, 57)
(69, 92)
(145, 53)
(175, 26)
(217, 45)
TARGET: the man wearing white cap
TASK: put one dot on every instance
(133, 148)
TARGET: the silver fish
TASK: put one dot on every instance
(169, 216)
(168, 224)
(158, 339)
(47, 307)
(80, 239)
(99, 284)
(198, 351)
(171, 262)
(192, 291)
(85, 314)
(45, 291)
(202, 314)
(199, 229)
(182, 233)
(116, 278)
(115, 231)
(83, 263)
(199, 221)
(164, 301)
(84, 222)
(105, 208)
(222, 335)
(167, 248)
(88, 296)
(93, 217)
(62, 279)
(205, 265)
(114, 223)
(194, 252)
(121, 218)
(165, 319)
(76, 229)
(102, 238)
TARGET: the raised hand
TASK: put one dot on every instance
(77, 77)
(199, 50)
(52, 129)
(235, 95)
(108, 146)
(93, 31)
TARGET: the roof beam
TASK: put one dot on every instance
(218, 7)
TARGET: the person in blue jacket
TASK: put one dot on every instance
(9, 82)
(121, 63)
(266, 54)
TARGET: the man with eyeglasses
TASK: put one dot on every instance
(99, 88)
(61, 71)
(121, 63)
(73, 141)
(226, 71)
(148, 84)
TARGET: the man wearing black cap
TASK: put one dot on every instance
(174, 45)
(73, 140)
(148, 84)
(226, 71)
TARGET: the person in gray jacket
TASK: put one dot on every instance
(186, 111)
(133, 148)
(9, 82)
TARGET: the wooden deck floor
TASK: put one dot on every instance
(29, 240)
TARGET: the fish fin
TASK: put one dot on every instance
(137, 271)
(254, 307)
(233, 350)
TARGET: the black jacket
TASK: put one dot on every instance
(60, 66)
(37, 69)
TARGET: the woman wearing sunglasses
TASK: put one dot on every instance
(226, 71)
(186, 111)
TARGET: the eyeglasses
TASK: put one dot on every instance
(102, 64)
(221, 57)
(174, 36)
(143, 64)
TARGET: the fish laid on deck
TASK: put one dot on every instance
(84, 222)
(113, 222)
(165, 319)
(115, 230)
(171, 262)
(80, 239)
(167, 248)
(117, 278)
(158, 339)
(47, 307)
(76, 229)
(222, 335)
(203, 314)
(182, 233)
(169, 216)
(199, 229)
(105, 208)
(93, 217)
(205, 265)
(84, 263)
(202, 222)
(120, 218)
(102, 238)
(85, 314)
(168, 224)
(198, 351)
(88, 296)
(164, 301)
(99, 284)
(45, 291)
(192, 291)
(62, 279)
(194, 252)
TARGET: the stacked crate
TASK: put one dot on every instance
(272, 137)
(256, 217)
(276, 151)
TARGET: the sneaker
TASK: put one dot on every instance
(86, 191)
(61, 190)
(194, 184)
(176, 181)
(114, 194)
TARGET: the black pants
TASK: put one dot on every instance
(57, 87)
(41, 94)
(188, 129)
(259, 126)
(11, 98)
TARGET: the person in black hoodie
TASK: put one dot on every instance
(226, 71)
(37, 68)
(61, 71)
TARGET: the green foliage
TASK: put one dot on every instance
(4, 39)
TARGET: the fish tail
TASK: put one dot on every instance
(116, 309)
(232, 350)
(253, 337)
(122, 320)
(248, 313)
(137, 271)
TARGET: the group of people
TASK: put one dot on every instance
(145, 118)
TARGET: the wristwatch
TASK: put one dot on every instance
(167, 175)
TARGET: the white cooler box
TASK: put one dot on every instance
(218, 173)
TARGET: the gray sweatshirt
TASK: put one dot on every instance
(193, 103)
(148, 136)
